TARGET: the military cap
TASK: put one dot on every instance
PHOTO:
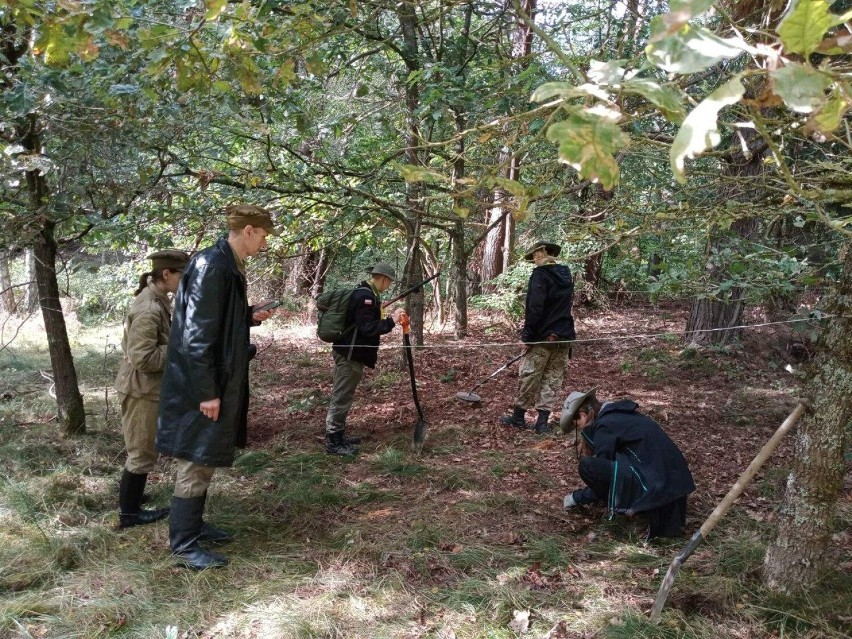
(243, 215)
(552, 249)
(383, 268)
(172, 259)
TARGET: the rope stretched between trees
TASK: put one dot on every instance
(592, 340)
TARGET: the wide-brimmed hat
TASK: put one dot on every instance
(172, 259)
(383, 268)
(243, 215)
(552, 249)
(571, 406)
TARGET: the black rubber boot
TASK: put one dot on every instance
(185, 531)
(516, 419)
(211, 533)
(130, 511)
(541, 426)
(335, 445)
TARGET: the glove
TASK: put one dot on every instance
(568, 503)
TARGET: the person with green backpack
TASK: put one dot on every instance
(354, 347)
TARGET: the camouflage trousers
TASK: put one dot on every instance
(540, 376)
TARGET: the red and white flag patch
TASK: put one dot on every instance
(368, 302)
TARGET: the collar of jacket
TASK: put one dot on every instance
(375, 290)
(226, 249)
(162, 298)
(548, 261)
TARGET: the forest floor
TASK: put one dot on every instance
(467, 539)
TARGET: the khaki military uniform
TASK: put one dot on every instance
(145, 341)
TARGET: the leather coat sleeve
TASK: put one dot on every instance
(143, 351)
(205, 300)
(534, 312)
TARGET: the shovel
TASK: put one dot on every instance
(420, 426)
(722, 508)
(472, 397)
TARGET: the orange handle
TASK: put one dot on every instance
(405, 322)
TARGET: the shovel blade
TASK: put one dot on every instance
(419, 436)
(469, 397)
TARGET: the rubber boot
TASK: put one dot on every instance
(335, 445)
(211, 533)
(184, 532)
(351, 441)
(516, 419)
(541, 426)
(130, 511)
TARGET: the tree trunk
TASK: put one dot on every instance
(29, 304)
(460, 279)
(708, 315)
(413, 141)
(7, 294)
(801, 552)
(72, 416)
(500, 242)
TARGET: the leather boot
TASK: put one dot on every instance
(130, 511)
(541, 426)
(211, 533)
(185, 531)
(516, 419)
(335, 445)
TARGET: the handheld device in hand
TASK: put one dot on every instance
(268, 306)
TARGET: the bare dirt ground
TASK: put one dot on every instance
(720, 407)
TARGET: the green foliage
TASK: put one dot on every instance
(510, 292)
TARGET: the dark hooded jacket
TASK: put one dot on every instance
(207, 358)
(365, 314)
(649, 469)
(550, 295)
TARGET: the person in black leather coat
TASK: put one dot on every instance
(629, 463)
(204, 395)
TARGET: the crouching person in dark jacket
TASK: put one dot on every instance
(629, 462)
(204, 396)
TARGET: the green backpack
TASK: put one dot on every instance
(333, 309)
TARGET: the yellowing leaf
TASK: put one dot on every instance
(666, 98)
(412, 173)
(286, 73)
(805, 23)
(829, 117)
(699, 130)
(588, 142)
(214, 8)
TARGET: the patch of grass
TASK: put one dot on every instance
(457, 479)
(450, 376)
(547, 551)
(305, 400)
(383, 380)
(741, 556)
(392, 461)
(424, 535)
(253, 461)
